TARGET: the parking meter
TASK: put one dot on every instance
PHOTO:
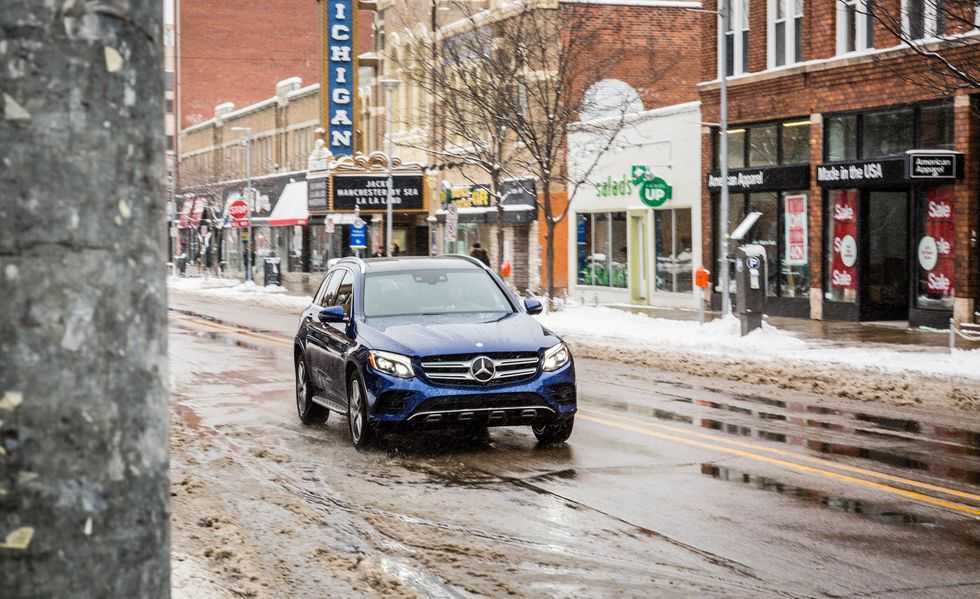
(750, 286)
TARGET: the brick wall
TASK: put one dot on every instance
(236, 51)
(661, 59)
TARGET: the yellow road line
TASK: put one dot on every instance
(911, 495)
(230, 329)
(805, 458)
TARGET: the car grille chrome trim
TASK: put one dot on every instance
(501, 409)
(461, 371)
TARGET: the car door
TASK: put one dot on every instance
(317, 334)
(337, 340)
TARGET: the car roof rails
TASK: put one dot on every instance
(353, 259)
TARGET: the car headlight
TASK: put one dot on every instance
(393, 364)
(556, 357)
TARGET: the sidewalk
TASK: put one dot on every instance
(888, 332)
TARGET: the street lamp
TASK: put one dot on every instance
(390, 86)
(247, 142)
(724, 276)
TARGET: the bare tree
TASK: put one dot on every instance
(510, 83)
(937, 31)
(468, 79)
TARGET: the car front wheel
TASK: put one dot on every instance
(554, 433)
(309, 412)
(361, 431)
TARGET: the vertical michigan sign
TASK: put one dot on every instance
(340, 77)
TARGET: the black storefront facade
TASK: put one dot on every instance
(781, 194)
(889, 237)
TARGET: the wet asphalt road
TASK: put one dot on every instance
(669, 486)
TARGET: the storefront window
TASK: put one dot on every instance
(764, 146)
(842, 245)
(673, 246)
(935, 244)
(736, 212)
(586, 274)
(842, 138)
(602, 254)
(794, 274)
(936, 127)
(887, 133)
(766, 232)
(796, 142)
(736, 148)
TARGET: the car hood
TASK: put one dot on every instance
(456, 334)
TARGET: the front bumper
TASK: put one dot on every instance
(418, 403)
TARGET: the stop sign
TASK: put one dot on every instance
(238, 209)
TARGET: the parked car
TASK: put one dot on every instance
(429, 342)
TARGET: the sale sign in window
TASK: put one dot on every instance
(844, 251)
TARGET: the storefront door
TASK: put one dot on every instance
(885, 251)
(637, 258)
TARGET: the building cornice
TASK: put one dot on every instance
(851, 59)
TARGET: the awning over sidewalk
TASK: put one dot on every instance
(291, 209)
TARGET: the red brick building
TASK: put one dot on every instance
(236, 50)
(861, 155)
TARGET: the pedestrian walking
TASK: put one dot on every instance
(479, 253)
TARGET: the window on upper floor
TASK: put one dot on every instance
(785, 32)
(734, 41)
(923, 18)
(855, 25)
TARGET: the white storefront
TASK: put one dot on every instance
(635, 227)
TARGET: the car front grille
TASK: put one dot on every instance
(498, 401)
(458, 369)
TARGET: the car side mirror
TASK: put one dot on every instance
(533, 305)
(331, 314)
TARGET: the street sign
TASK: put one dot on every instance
(358, 237)
(238, 209)
(452, 222)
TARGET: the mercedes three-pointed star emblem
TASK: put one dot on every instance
(482, 369)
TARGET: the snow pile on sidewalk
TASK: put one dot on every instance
(591, 325)
(273, 296)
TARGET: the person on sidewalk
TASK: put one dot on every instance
(479, 253)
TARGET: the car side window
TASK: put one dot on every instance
(330, 297)
(322, 291)
(345, 293)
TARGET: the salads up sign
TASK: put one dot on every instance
(652, 190)
(340, 77)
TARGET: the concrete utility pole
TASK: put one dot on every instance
(83, 330)
(726, 298)
(249, 196)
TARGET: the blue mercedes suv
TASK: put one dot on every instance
(429, 342)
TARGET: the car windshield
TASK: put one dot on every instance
(432, 292)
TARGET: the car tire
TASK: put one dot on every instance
(361, 431)
(309, 412)
(554, 433)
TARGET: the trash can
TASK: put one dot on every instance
(182, 264)
(271, 271)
